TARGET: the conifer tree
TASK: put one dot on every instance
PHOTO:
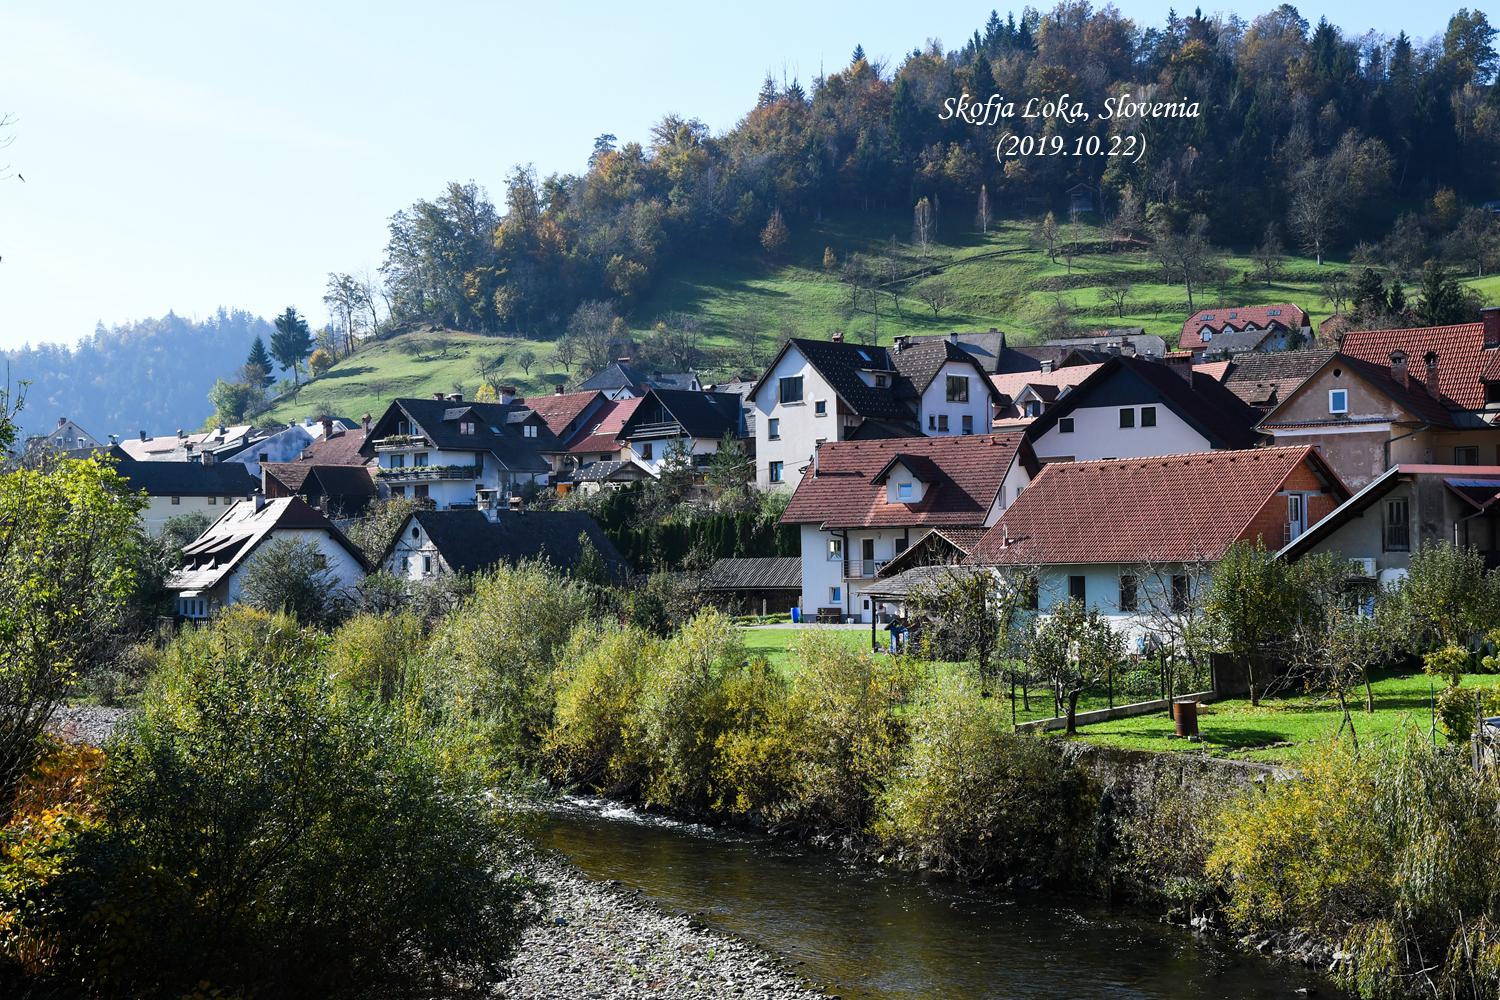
(261, 358)
(292, 341)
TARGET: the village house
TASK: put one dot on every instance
(455, 453)
(1024, 396)
(1418, 396)
(695, 422)
(436, 542)
(619, 380)
(1235, 330)
(1131, 341)
(66, 436)
(1138, 537)
(866, 502)
(818, 392)
(210, 576)
(567, 415)
(1265, 380)
(1401, 510)
(1133, 407)
(174, 488)
(997, 357)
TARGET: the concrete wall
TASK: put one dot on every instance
(659, 448)
(801, 426)
(1097, 434)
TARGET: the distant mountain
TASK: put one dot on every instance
(151, 375)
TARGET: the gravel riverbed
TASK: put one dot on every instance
(599, 940)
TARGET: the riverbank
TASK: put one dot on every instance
(600, 940)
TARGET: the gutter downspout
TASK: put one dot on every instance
(1426, 425)
(1466, 530)
(844, 578)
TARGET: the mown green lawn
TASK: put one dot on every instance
(1284, 728)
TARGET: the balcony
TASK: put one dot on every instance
(666, 428)
(402, 442)
(862, 569)
(429, 473)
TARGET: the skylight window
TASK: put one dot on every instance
(1274, 312)
(866, 355)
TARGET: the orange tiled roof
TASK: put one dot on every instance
(559, 410)
(600, 432)
(970, 470)
(1237, 318)
(1463, 364)
(1170, 508)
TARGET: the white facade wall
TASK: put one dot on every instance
(820, 574)
(414, 557)
(801, 426)
(341, 563)
(1097, 434)
(660, 446)
(154, 517)
(283, 446)
(1102, 590)
(934, 403)
(445, 492)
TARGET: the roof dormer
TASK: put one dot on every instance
(907, 478)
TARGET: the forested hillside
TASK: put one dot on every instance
(151, 375)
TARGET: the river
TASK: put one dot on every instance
(861, 931)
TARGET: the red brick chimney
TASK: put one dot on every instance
(1182, 365)
(1491, 326)
(1433, 388)
(1398, 369)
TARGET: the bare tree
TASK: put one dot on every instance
(526, 358)
(591, 327)
(922, 226)
(1336, 291)
(1117, 289)
(745, 328)
(1131, 217)
(1047, 234)
(565, 351)
(1186, 257)
(983, 215)
(936, 294)
(1270, 256)
(678, 339)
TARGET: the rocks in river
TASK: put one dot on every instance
(86, 724)
(601, 940)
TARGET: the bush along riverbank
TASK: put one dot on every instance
(1381, 866)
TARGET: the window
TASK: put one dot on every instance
(1179, 592)
(1077, 588)
(416, 532)
(1128, 593)
(903, 491)
(1338, 400)
(931, 422)
(835, 595)
(968, 423)
(1065, 425)
(1397, 526)
(835, 549)
(263, 457)
(212, 501)
(1031, 594)
(958, 388)
(1033, 408)
(405, 564)
(791, 389)
(1492, 392)
(1466, 455)
(419, 492)
(1208, 334)
(820, 408)
(176, 500)
(427, 564)
(942, 421)
(646, 451)
(528, 430)
(419, 460)
(397, 461)
(320, 561)
(398, 492)
(466, 427)
(1127, 417)
(880, 382)
(775, 472)
(1296, 509)
(1148, 416)
(773, 429)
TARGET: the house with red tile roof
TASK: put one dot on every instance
(1121, 534)
(1422, 396)
(566, 414)
(1237, 329)
(1132, 407)
(1024, 396)
(865, 502)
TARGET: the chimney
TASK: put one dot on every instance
(180, 434)
(365, 423)
(507, 394)
(114, 439)
(1047, 367)
(1398, 369)
(455, 397)
(815, 461)
(260, 500)
(952, 336)
(327, 428)
(837, 338)
(143, 435)
(1491, 326)
(221, 430)
(1182, 366)
(62, 421)
(438, 396)
(1433, 389)
(208, 458)
(558, 389)
(622, 361)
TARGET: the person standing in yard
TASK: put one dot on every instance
(897, 628)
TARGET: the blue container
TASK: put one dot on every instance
(796, 616)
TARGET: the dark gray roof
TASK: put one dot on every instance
(840, 365)
(622, 376)
(703, 415)
(190, 479)
(769, 573)
(1267, 379)
(497, 430)
(921, 364)
(603, 471)
(471, 542)
(901, 586)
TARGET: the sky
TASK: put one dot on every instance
(185, 157)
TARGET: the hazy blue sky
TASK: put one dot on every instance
(186, 156)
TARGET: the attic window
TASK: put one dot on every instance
(866, 355)
(1208, 316)
(528, 430)
(1338, 400)
(1234, 315)
(903, 491)
(958, 389)
(1274, 312)
(880, 381)
(416, 532)
(1208, 333)
(466, 427)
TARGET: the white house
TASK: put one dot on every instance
(695, 421)
(209, 579)
(435, 542)
(174, 488)
(865, 502)
(817, 392)
(1133, 407)
(68, 436)
(450, 452)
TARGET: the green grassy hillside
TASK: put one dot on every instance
(997, 280)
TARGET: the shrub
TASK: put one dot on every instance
(598, 682)
(375, 654)
(755, 769)
(288, 574)
(263, 832)
(972, 798)
(1455, 709)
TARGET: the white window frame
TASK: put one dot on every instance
(903, 492)
(836, 595)
(1338, 400)
(835, 550)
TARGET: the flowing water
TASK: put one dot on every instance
(861, 931)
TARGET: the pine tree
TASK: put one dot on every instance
(292, 341)
(859, 55)
(981, 78)
(261, 358)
